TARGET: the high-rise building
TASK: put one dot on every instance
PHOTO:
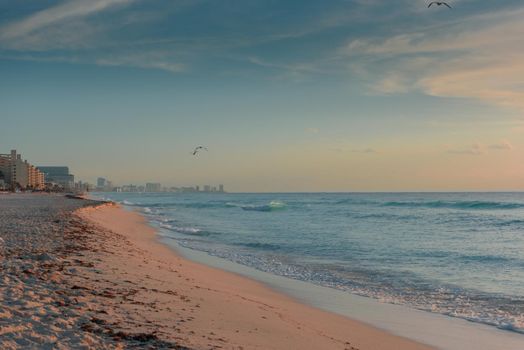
(220, 188)
(59, 175)
(18, 173)
(207, 188)
(101, 182)
(153, 187)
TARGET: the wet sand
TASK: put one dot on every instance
(98, 278)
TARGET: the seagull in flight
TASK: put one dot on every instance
(197, 149)
(438, 3)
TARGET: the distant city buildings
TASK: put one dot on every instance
(129, 188)
(101, 182)
(83, 187)
(19, 174)
(104, 185)
(16, 173)
(206, 189)
(153, 187)
(59, 175)
(186, 189)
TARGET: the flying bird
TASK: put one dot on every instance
(197, 149)
(438, 3)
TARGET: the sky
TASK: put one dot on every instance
(306, 95)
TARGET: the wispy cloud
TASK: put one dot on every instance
(479, 149)
(297, 67)
(502, 146)
(153, 60)
(54, 16)
(480, 58)
(495, 81)
(392, 84)
(294, 71)
(64, 33)
(156, 60)
(473, 150)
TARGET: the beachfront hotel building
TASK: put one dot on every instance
(16, 173)
(59, 175)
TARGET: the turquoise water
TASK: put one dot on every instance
(458, 254)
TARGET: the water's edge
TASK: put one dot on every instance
(442, 332)
(449, 330)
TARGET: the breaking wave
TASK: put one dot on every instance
(272, 206)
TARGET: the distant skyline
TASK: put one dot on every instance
(286, 95)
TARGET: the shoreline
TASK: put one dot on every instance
(431, 329)
(241, 312)
(79, 273)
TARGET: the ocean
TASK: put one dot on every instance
(456, 254)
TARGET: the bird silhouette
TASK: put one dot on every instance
(438, 3)
(197, 149)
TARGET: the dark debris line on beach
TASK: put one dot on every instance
(43, 304)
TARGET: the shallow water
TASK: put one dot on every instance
(457, 254)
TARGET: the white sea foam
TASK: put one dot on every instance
(452, 254)
(272, 206)
(181, 229)
(187, 229)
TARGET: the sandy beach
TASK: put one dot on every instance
(79, 274)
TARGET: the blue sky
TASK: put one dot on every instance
(288, 95)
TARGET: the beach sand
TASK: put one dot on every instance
(101, 279)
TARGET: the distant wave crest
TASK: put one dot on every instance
(458, 205)
(272, 206)
(185, 205)
(259, 245)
